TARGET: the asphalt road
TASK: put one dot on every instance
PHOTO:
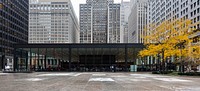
(96, 82)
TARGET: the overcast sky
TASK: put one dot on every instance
(77, 2)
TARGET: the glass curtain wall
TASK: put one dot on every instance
(79, 58)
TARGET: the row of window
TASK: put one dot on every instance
(49, 41)
(49, 33)
(47, 6)
(7, 51)
(34, 27)
(196, 19)
(195, 12)
(49, 9)
(195, 4)
(14, 24)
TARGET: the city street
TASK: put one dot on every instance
(95, 81)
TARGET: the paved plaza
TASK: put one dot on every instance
(95, 81)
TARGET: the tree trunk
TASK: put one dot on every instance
(163, 60)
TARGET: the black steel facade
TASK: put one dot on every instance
(13, 27)
(75, 57)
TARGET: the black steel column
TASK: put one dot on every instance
(20, 59)
(15, 60)
(61, 58)
(42, 61)
(85, 60)
(117, 59)
(134, 56)
(45, 60)
(38, 59)
(2, 62)
(101, 67)
(93, 59)
(54, 57)
(110, 57)
(126, 56)
(70, 58)
(30, 59)
(26, 61)
(78, 65)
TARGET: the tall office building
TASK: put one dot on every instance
(137, 21)
(125, 12)
(13, 28)
(52, 21)
(100, 22)
(171, 10)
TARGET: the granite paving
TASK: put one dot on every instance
(96, 81)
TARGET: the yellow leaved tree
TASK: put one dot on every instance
(169, 38)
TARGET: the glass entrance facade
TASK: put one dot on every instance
(75, 57)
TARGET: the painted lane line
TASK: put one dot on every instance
(102, 79)
(32, 79)
(139, 80)
(3, 73)
(172, 80)
(59, 74)
(98, 74)
(120, 76)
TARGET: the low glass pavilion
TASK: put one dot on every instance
(75, 57)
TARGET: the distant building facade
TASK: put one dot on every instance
(137, 21)
(13, 28)
(100, 22)
(125, 12)
(52, 21)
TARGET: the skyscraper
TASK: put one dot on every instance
(173, 16)
(171, 10)
(125, 12)
(13, 28)
(137, 21)
(53, 21)
(100, 22)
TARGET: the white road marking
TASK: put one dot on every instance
(140, 77)
(181, 88)
(139, 80)
(147, 75)
(77, 74)
(119, 76)
(32, 79)
(60, 74)
(98, 74)
(172, 80)
(3, 73)
(102, 79)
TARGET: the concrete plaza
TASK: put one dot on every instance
(94, 81)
